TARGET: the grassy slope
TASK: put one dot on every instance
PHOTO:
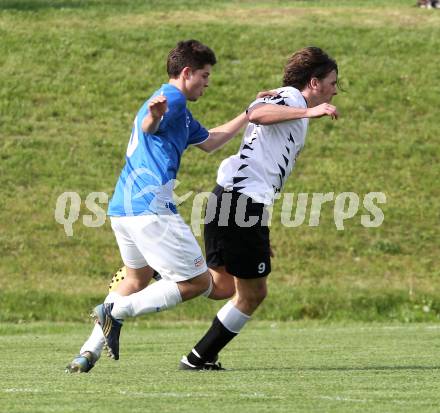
(74, 73)
(331, 368)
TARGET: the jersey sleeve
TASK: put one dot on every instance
(287, 96)
(292, 97)
(196, 132)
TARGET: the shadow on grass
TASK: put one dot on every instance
(342, 369)
(35, 5)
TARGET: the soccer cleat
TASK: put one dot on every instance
(111, 328)
(117, 278)
(121, 274)
(82, 363)
(186, 365)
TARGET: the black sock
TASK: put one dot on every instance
(210, 345)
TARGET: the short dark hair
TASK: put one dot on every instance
(189, 53)
(305, 64)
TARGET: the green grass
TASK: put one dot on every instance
(74, 73)
(282, 367)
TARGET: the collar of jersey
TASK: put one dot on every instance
(305, 100)
(169, 86)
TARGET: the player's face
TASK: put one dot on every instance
(197, 81)
(327, 88)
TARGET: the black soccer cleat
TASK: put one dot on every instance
(186, 365)
(111, 327)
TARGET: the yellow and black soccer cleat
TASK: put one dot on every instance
(117, 278)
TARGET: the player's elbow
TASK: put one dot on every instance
(211, 149)
(207, 147)
(260, 118)
(208, 150)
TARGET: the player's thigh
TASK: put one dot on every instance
(246, 251)
(213, 231)
(131, 256)
(169, 246)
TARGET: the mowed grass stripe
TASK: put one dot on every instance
(284, 367)
(262, 14)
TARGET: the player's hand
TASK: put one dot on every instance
(266, 94)
(271, 251)
(324, 109)
(158, 106)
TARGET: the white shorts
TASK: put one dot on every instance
(164, 242)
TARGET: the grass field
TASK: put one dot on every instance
(278, 367)
(74, 73)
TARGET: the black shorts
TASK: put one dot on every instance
(231, 240)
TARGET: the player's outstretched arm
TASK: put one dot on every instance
(219, 135)
(324, 109)
(268, 114)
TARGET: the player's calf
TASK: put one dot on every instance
(250, 293)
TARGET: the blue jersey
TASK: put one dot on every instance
(145, 185)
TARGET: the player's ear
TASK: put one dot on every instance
(186, 73)
(314, 82)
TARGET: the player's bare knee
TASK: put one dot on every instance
(195, 286)
(251, 300)
(247, 305)
(223, 284)
(222, 292)
(228, 291)
(222, 289)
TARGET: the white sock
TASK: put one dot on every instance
(95, 342)
(156, 297)
(232, 318)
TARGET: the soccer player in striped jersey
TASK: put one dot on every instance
(237, 237)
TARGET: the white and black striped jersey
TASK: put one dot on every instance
(267, 153)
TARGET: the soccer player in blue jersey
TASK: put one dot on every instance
(149, 231)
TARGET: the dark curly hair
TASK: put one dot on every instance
(189, 53)
(305, 64)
